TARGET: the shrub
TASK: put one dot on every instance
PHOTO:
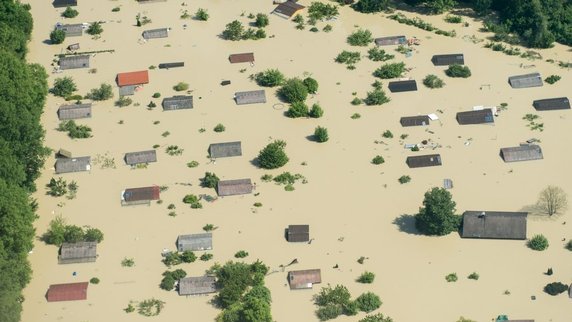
(404, 179)
(376, 97)
(210, 180)
(329, 312)
(366, 277)
(328, 295)
(273, 155)
(316, 111)
(151, 104)
(378, 159)
(453, 19)
(355, 116)
(294, 90)
(349, 58)
(569, 245)
(388, 71)
(321, 134)
(356, 101)
(233, 31)
(269, 78)
(314, 29)
(57, 188)
(181, 86)
(94, 29)
(311, 85)
(552, 79)
(188, 256)
(75, 131)
(451, 277)
(193, 200)
(167, 283)
(538, 242)
(150, 307)
(173, 150)
(127, 262)
(202, 14)
(94, 280)
(206, 257)
(376, 317)
(351, 308)
(473, 276)
(104, 92)
(318, 11)
(266, 178)
(327, 28)
(433, 81)
(376, 54)
(93, 235)
(156, 95)
(70, 13)
(219, 128)
(57, 36)
(261, 20)
(360, 37)
(63, 87)
(257, 204)
(456, 70)
(241, 254)
(297, 109)
(117, 9)
(368, 302)
(123, 101)
(555, 288)
(387, 134)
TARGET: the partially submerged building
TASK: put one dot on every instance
(550, 104)
(391, 40)
(298, 233)
(250, 97)
(304, 279)
(288, 9)
(171, 65)
(225, 150)
(448, 59)
(195, 242)
(67, 292)
(71, 30)
(77, 164)
(133, 78)
(138, 196)
(494, 224)
(421, 161)
(419, 120)
(64, 3)
(234, 187)
(197, 285)
(74, 111)
(178, 102)
(74, 62)
(80, 252)
(525, 81)
(402, 86)
(524, 152)
(156, 33)
(484, 116)
(241, 58)
(140, 157)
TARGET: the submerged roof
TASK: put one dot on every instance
(418, 120)
(74, 111)
(73, 165)
(250, 97)
(78, 252)
(241, 58)
(133, 78)
(448, 59)
(67, 292)
(197, 285)
(234, 187)
(525, 152)
(288, 9)
(494, 224)
(391, 40)
(72, 30)
(476, 117)
(73, 62)
(420, 161)
(558, 103)
(178, 102)
(526, 80)
(133, 158)
(304, 279)
(64, 3)
(226, 149)
(402, 86)
(156, 33)
(193, 242)
(298, 233)
(141, 194)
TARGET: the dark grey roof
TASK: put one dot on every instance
(135, 195)
(287, 9)
(179, 102)
(494, 224)
(171, 65)
(127, 90)
(524, 81)
(449, 59)
(197, 285)
(402, 86)
(73, 62)
(298, 233)
(133, 158)
(73, 165)
(234, 187)
(72, 30)
(195, 242)
(64, 3)
(558, 103)
(156, 33)
(250, 97)
(74, 111)
(391, 40)
(476, 117)
(80, 252)
(226, 149)
(419, 161)
(525, 152)
(414, 120)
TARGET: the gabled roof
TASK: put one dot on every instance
(171, 65)
(241, 58)
(250, 97)
(234, 187)
(287, 9)
(72, 30)
(133, 78)
(420, 161)
(298, 233)
(64, 3)
(73, 165)
(226, 149)
(141, 194)
(494, 224)
(402, 86)
(476, 117)
(414, 120)
(525, 152)
(148, 156)
(77, 252)
(526, 80)
(558, 103)
(448, 59)
(178, 102)
(67, 292)
(74, 111)
(194, 242)
(391, 40)
(73, 62)
(156, 33)
(304, 279)
(197, 285)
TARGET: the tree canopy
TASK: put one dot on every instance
(437, 216)
(273, 155)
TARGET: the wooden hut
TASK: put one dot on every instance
(304, 279)
(133, 78)
(74, 62)
(550, 104)
(77, 164)
(63, 154)
(287, 9)
(140, 157)
(391, 40)
(171, 65)
(250, 97)
(197, 285)
(67, 292)
(234, 187)
(402, 86)
(74, 111)
(73, 47)
(138, 196)
(71, 30)
(421, 161)
(298, 233)
(241, 58)
(225, 150)
(419, 120)
(525, 81)
(127, 90)
(494, 224)
(195, 242)
(524, 152)
(156, 33)
(64, 3)
(80, 252)
(484, 116)
(449, 59)
(178, 102)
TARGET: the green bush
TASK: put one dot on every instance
(269, 78)
(360, 37)
(473, 276)
(376, 54)
(193, 164)
(167, 283)
(538, 242)
(329, 312)
(555, 288)
(75, 131)
(297, 109)
(569, 245)
(368, 302)
(552, 79)
(261, 20)
(188, 256)
(451, 277)
(93, 235)
(370, 6)
(319, 11)
(356, 101)
(294, 90)
(193, 200)
(311, 85)
(366, 277)
(233, 31)
(327, 28)
(349, 58)
(404, 179)
(127, 262)
(378, 159)
(376, 97)
(273, 155)
(433, 81)
(351, 308)
(63, 87)
(453, 19)
(70, 13)
(388, 71)
(316, 111)
(181, 86)
(57, 36)
(202, 14)
(321, 134)
(210, 180)
(387, 134)
(123, 101)
(328, 295)
(355, 116)
(241, 254)
(94, 29)
(206, 257)
(456, 70)
(104, 92)
(57, 188)
(156, 95)
(94, 280)
(219, 128)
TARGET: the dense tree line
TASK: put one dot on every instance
(23, 89)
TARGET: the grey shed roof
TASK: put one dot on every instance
(494, 224)
(420, 161)
(414, 120)
(391, 40)
(476, 117)
(195, 242)
(525, 152)
(197, 285)
(226, 149)
(449, 59)
(234, 187)
(171, 65)
(559, 103)
(133, 158)
(78, 252)
(73, 30)
(127, 90)
(73, 165)
(141, 194)
(402, 86)
(298, 233)
(250, 97)
(72, 62)
(179, 102)
(524, 81)
(74, 111)
(64, 3)
(156, 33)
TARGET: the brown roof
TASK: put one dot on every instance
(298, 233)
(81, 252)
(241, 58)
(304, 279)
(133, 158)
(133, 78)
(234, 187)
(197, 285)
(140, 194)
(67, 292)
(288, 9)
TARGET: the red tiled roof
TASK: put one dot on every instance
(67, 292)
(133, 78)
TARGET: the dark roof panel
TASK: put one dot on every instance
(298, 233)
(525, 152)
(391, 40)
(226, 149)
(525, 81)
(420, 161)
(402, 86)
(476, 117)
(494, 224)
(179, 102)
(419, 120)
(559, 103)
(449, 59)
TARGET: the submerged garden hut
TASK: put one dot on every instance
(156, 33)
(250, 97)
(241, 58)
(419, 120)
(391, 40)
(234, 187)
(72, 30)
(494, 224)
(287, 9)
(421, 161)
(550, 104)
(67, 292)
(402, 86)
(73, 62)
(80, 252)
(194, 242)
(78, 164)
(141, 157)
(171, 65)
(524, 152)
(484, 116)
(64, 3)
(197, 285)
(133, 78)
(178, 102)
(74, 111)
(138, 196)
(448, 59)
(225, 150)
(127, 90)
(298, 233)
(525, 81)
(304, 279)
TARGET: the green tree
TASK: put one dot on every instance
(167, 283)
(255, 310)
(329, 312)
(269, 78)
(319, 11)
(321, 134)
(377, 318)
(433, 81)
(104, 92)
(376, 97)
(360, 37)
(273, 155)
(368, 302)
(57, 36)
(73, 234)
(328, 295)
(261, 20)
(93, 235)
(202, 14)
(311, 85)
(297, 109)
(482, 7)
(440, 6)
(95, 28)
(437, 216)
(210, 180)
(63, 87)
(70, 13)
(233, 31)
(370, 6)
(294, 90)
(388, 71)
(316, 111)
